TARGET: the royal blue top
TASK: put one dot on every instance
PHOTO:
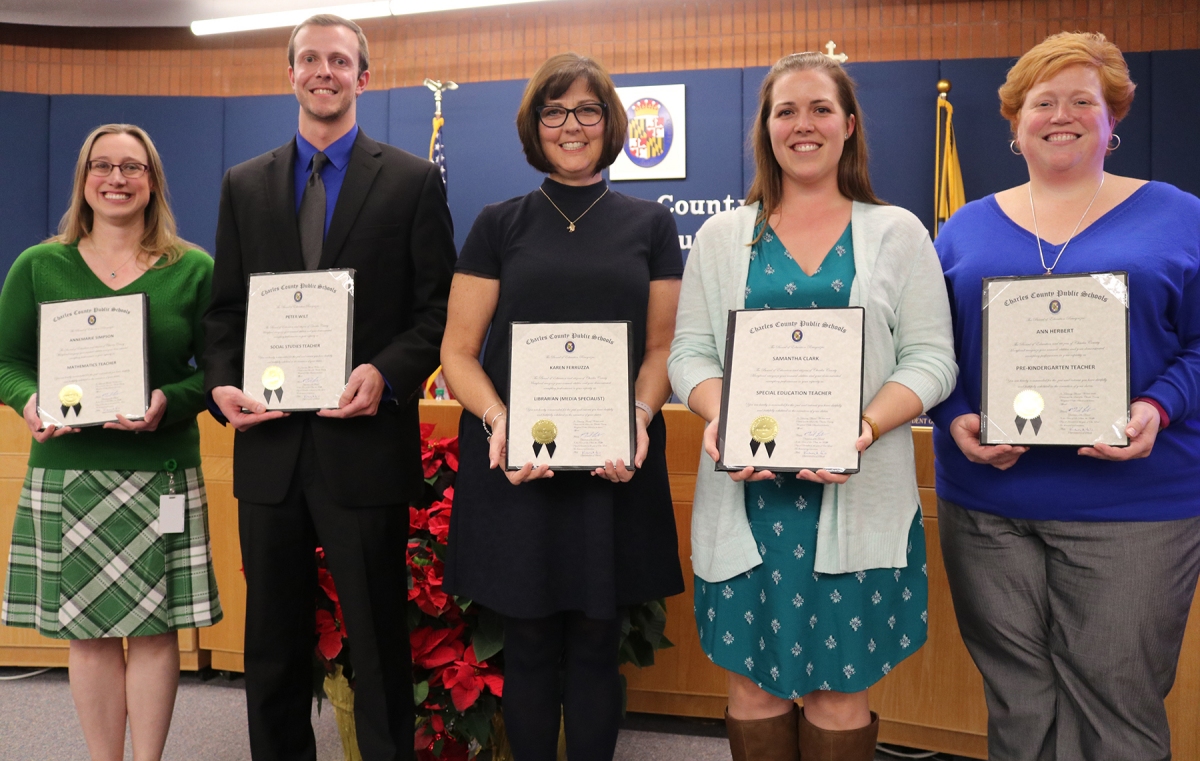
(1154, 235)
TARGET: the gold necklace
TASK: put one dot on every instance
(571, 222)
(1050, 268)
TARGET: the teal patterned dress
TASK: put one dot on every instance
(783, 625)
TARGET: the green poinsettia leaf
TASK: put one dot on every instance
(489, 634)
(413, 616)
(476, 723)
(420, 692)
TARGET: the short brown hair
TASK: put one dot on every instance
(854, 181)
(160, 237)
(1057, 52)
(551, 80)
(328, 19)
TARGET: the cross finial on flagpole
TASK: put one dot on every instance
(830, 47)
(438, 88)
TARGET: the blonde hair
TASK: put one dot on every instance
(160, 237)
(1057, 52)
(854, 181)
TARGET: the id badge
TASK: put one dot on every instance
(170, 514)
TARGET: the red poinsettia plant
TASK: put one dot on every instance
(333, 644)
(457, 671)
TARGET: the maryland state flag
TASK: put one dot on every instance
(435, 384)
(948, 195)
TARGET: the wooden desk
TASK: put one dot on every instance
(933, 699)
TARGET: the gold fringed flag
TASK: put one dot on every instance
(948, 195)
(437, 149)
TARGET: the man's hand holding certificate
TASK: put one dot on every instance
(298, 338)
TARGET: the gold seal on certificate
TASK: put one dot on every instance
(763, 430)
(92, 360)
(1055, 360)
(70, 396)
(299, 337)
(1029, 405)
(544, 433)
(793, 379)
(570, 386)
(272, 380)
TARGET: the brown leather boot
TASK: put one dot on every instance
(818, 744)
(773, 739)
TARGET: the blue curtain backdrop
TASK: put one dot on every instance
(200, 138)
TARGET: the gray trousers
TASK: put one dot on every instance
(1076, 628)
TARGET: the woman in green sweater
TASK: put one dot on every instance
(88, 562)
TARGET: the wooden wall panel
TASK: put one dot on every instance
(627, 35)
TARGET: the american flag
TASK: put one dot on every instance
(437, 149)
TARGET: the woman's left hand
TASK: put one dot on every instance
(616, 472)
(1142, 431)
(158, 406)
(864, 440)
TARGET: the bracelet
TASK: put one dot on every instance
(483, 418)
(493, 431)
(644, 408)
(874, 428)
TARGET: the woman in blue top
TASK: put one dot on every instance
(1073, 570)
(813, 587)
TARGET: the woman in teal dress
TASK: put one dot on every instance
(813, 587)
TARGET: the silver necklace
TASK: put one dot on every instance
(571, 222)
(1038, 236)
(113, 273)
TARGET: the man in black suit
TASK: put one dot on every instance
(340, 478)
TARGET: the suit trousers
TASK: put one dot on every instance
(365, 551)
(1076, 628)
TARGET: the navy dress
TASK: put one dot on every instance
(786, 627)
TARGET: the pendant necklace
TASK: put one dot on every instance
(1050, 268)
(112, 274)
(571, 222)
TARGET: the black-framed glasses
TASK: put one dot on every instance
(588, 114)
(130, 169)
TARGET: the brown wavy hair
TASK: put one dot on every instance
(551, 80)
(160, 237)
(1055, 53)
(854, 181)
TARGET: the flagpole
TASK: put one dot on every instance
(437, 154)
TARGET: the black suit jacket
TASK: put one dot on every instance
(391, 224)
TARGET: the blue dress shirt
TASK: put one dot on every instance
(332, 174)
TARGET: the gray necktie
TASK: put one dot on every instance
(312, 215)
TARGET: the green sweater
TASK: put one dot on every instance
(177, 297)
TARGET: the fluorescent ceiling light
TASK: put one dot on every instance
(351, 11)
(289, 18)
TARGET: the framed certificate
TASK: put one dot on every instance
(570, 395)
(1055, 360)
(792, 393)
(92, 360)
(299, 338)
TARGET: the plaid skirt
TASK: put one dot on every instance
(87, 559)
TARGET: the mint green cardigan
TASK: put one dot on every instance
(177, 297)
(864, 523)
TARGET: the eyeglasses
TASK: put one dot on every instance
(130, 169)
(588, 115)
